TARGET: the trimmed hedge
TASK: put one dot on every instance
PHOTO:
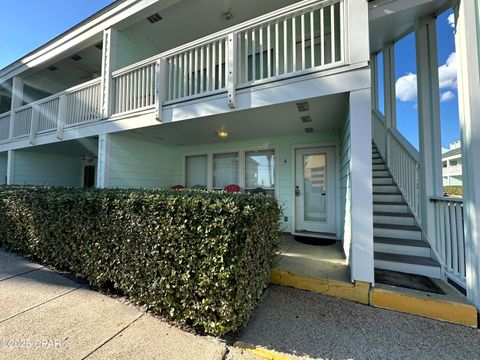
(453, 190)
(201, 258)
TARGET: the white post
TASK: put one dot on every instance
(428, 122)
(109, 55)
(62, 114)
(34, 124)
(17, 100)
(103, 162)
(362, 261)
(389, 94)
(232, 64)
(161, 83)
(468, 59)
(10, 167)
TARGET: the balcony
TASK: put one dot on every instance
(298, 40)
(455, 170)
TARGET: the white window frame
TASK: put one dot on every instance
(241, 165)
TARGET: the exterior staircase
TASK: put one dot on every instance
(398, 242)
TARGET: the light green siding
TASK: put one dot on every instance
(3, 168)
(140, 163)
(39, 168)
(132, 48)
(345, 189)
(285, 147)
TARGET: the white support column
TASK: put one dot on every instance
(62, 115)
(357, 31)
(389, 85)
(17, 100)
(428, 121)
(468, 59)
(103, 162)
(34, 125)
(361, 260)
(10, 167)
(109, 55)
(161, 83)
(232, 66)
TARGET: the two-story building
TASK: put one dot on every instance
(280, 95)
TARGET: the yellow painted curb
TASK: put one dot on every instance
(458, 313)
(358, 292)
(261, 352)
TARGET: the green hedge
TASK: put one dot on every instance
(201, 258)
(453, 190)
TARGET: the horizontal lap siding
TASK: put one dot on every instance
(37, 168)
(285, 162)
(345, 188)
(138, 163)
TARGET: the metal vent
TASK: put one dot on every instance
(99, 46)
(154, 18)
(306, 119)
(303, 106)
(308, 130)
(52, 68)
(76, 57)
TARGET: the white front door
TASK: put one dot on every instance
(315, 190)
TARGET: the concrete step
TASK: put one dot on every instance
(381, 173)
(401, 246)
(419, 265)
(379, 167)
(385, 188)
(384, 206)
(383, 181)
(397, 231)
(388, 197)
(393, 218)
(378, 160)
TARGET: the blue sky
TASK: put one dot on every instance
(405, 75)
(28, 24)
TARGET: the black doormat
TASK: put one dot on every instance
(409, 281)
(314, 241)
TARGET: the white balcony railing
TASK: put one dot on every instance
(4, 126)
(450, 241)
(455, 170)
(289, 42)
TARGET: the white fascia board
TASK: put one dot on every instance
(79, 35)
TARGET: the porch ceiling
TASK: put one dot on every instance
(78, 147)
(188, 20)
(390, 19)
(327, 114)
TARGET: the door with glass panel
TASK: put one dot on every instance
(315, 190)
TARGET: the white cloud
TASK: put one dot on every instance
(447, 96)
(447, 73)
(406, 87)
(451, 20)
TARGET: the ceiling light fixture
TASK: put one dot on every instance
(222, 133)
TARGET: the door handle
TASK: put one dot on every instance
(297, 190)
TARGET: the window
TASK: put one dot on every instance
(196, 171)
(225, 170)
(260, 170)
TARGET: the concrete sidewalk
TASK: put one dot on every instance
(44, 315)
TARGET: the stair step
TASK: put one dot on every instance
(393, 218)
(419, 265)
(381, 206)
(378, 161)
(397, 231)
(382, 173)
(401, 246)
(388, 197)
(383, 181)
(385, 189)
(379, 167)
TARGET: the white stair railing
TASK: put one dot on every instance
(403, 163)
(449, 241)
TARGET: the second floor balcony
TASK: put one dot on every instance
(309, 37)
